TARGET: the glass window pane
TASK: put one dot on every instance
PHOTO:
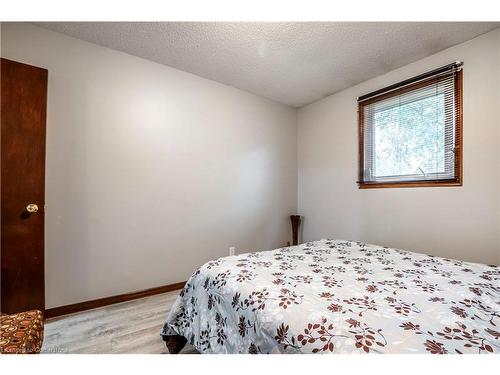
(409, 138)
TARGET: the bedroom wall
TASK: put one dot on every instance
(151, 171)
(456, 222)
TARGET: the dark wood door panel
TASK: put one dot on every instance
(23, 123)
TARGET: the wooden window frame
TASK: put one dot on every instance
(458, 180)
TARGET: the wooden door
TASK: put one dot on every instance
(23, 118)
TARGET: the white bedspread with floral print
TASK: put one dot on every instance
(334, 296)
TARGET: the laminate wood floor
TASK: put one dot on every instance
(129, 327)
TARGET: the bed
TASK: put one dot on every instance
(332, 296)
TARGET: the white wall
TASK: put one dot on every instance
(151, 171)
(498, 107)
(456, 222)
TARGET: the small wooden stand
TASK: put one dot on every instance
(295, 228)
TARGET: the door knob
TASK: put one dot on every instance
(32, 208)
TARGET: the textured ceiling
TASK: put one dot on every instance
(293, 63)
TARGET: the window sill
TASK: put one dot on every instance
(414, 184)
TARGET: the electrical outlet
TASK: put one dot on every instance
(232, 250)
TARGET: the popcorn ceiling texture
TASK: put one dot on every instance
(292, 63)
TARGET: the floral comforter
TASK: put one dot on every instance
(334, 296)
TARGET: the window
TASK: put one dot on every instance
(410, 133)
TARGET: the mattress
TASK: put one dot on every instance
(334, 296)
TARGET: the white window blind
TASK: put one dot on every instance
(409, 132)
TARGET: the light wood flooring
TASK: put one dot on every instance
(128, 327)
